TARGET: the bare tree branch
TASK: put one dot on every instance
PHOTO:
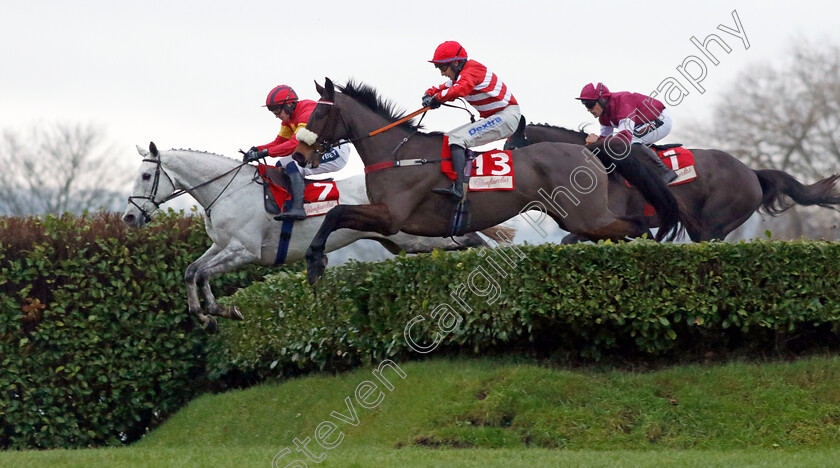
(57, 169)
(786, 116)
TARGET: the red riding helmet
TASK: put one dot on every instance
(593, 92)
(281, 95)
(448, 52)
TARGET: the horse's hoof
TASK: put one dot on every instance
(235, 314)
(572, 239)
(313, 278)
(210, 326)
(315, 271)
(315, 266)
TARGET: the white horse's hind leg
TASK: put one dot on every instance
(192, 288)
(233, 256)
(213, 308)
(417, 244)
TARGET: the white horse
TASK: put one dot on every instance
(237, 223)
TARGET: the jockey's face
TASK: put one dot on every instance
(447, 69)
(596, 110)
(282, 115)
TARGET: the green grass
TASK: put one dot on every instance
(508, 413)
(368, 457)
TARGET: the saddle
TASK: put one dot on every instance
(277, 188)
(660, 148)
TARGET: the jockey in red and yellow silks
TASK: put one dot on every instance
(494, 102)
(631, 117)
(283, 102)
(286, 142)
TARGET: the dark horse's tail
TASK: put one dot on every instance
(775, 183)
(651, 186)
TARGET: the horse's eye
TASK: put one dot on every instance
(147, 176)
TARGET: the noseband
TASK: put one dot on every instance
(153, 193)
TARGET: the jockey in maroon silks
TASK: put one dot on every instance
(637, 119)
(283, 102)
(494, 102)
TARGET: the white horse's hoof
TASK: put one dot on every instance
(210, 325)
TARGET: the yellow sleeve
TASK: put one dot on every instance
(286, 132)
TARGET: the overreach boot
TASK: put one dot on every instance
(456, 190)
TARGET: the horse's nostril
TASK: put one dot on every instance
(128, 219)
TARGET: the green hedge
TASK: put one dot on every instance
(95, 342)
(639, 299)
(96, 346)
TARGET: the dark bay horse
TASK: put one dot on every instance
(725, 194)
(400, 193)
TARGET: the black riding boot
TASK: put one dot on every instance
(296, 212)
(456, 190)
(668, 174)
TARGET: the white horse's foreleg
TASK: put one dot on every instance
(233, 256)
(192, 288)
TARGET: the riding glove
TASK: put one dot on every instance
(430, 101)
(253, 154)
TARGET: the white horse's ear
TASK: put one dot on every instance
(142, 151)
(153, 149)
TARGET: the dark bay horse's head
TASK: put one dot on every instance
(324, 128)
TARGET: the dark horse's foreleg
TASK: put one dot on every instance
(374, 218)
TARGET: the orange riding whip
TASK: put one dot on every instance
(404, 119)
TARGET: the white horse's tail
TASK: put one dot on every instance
(500, 233)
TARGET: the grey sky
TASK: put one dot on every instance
(195, 73)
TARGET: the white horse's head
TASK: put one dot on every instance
(151, 187)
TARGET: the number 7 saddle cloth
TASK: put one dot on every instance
(319, 196)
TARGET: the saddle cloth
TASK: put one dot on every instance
(490, 170)
(681, 160)
(319, 196)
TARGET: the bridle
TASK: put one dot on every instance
(311, 138)
(152, 197)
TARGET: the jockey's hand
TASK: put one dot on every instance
(430, 102)
(591, 138)
(252, 155)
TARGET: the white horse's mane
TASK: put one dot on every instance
(202, 152)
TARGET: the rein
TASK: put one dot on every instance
(177, 193)
(402, 120)
(396, 162)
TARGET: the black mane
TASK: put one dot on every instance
(368, 97)
(579, 130)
